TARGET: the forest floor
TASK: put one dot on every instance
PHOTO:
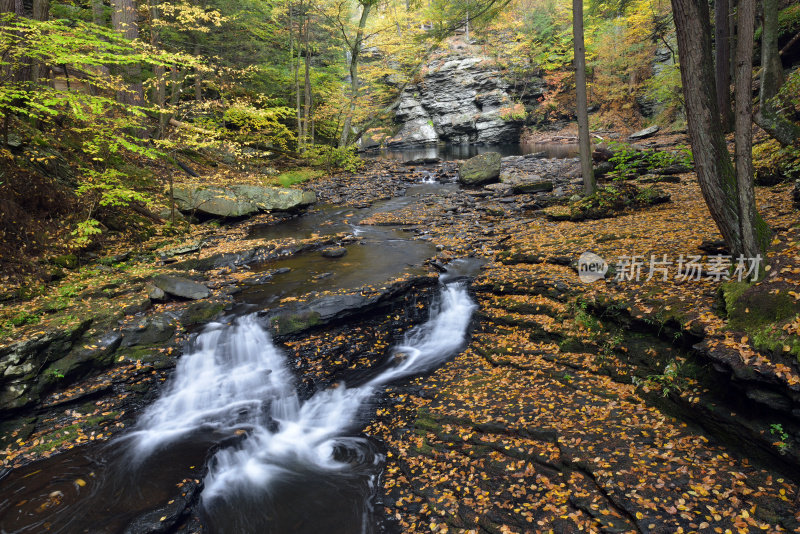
(575, 407)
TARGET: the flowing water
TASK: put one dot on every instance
(236, 380)
(278, 463)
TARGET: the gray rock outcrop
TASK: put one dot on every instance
(239, 200)
(461, 99)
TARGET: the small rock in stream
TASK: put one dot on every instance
(334, 252)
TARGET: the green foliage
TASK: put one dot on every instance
(665, 87)
(514, 112)
(109, 187)
(82, 235)
(776, 429)
(23, 318)
(297, 176)
(56, 373)
(669, 381)
(260, 122)
(626, 159)
(773, 163)
(334, 158)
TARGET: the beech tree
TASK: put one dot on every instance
(727, 191)
(723, 61)
(584, 144)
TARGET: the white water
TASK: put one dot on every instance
(237, 379)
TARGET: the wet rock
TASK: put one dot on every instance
(422, 161)
(532, 187)
(295, 318)
(21, 362)
(149, 331)
(154, 292)
(97, 355)
(796, 194)
(481, 169)
(644, 134)
(334, 252)
(655, 179)
(672, 169)
(771, 399)
(239, 200)
(180, 287)
(201, 312)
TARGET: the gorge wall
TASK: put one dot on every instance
(462, 97)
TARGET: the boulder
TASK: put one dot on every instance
(239, 200)
(644, 134)
(481, 169)
(180, 287)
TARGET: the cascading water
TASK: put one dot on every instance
(238, 380)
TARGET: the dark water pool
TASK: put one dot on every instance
(449, 152)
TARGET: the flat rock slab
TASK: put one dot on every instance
(532, 187)
(239, 200)
(644, 134)
(180, 287)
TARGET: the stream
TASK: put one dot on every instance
(230, 430)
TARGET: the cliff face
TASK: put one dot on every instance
(462, 98)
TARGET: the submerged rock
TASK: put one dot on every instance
(239, 200)
(480, 169)
(334, 252)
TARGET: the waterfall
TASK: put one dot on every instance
(237, 379)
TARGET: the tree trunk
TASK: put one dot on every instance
(307, 85)
(713, 165)
(198, 80)
(355, 50)
(723, 62)
(98, 13)
(585, 149)
(769, 117)
(744, 127)
(159, 71)
(41, 11)
(99, 18)
(124, 19)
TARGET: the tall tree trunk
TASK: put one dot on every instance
(769, 117)
(40, 11)
(723, 61)
(584, 144)
(198, 79)
(124, 18)
(159, 71)
(307, 85)
(355, 51)
(98, 12)
(99, 18)
(713, 165)
(744, 127)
